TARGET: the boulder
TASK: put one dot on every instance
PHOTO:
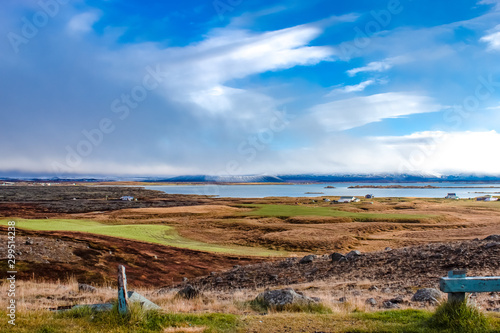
(371, 301)
(337, 257)
(82, 287)
(188, 292)
(495, 238)
(353, 254)
(427, 295)
(307, 259)
(397, 300)
(29, 241)
(491, 244)
(390, 305)
(282, 297)
(145, 303)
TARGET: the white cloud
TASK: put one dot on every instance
(202, 113)
(228, 55)
(354, 88)
(430, 152)
(378, 66)
(493, 39)
(82, 23)
(205, 111)
(446, 152)
(354, 112)
(493, 107)
(199, 73)
(491, 2)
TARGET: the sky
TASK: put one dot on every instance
(239, 87)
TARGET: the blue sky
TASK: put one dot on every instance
(249, 87)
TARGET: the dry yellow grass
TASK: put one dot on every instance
(38, 295)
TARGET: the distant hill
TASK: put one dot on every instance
(386, 178)
(300, 178)
(221, 179)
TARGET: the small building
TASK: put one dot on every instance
(490, 198)
(369, 196)
(127, 198)
(326, 200)
(487, 198)
(348, 199)
(452, 196)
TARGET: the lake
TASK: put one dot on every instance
(299, 190)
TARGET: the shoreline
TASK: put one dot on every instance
(418, 187)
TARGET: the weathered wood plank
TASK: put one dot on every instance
(470, 284)
(122, 290)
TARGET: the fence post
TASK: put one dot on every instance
(456, 297)
(122, 290)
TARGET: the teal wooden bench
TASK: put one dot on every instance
(457, 284)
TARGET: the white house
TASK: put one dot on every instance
(490, 198)
(348, 199)
(452, 196)
(487, 198)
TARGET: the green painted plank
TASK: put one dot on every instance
(470, 284)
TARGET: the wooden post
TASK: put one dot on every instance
(456, 297)
(122, 290)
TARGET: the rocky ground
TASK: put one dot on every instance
(52, 201)
(409, 267)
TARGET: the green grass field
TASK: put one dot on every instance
(290, 211)
(152, 233)
(410, 321)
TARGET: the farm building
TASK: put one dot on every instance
(452, 196)
(490, 198)
(127, 198)
(348, 199)
(487, 198)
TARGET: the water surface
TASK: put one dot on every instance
(299, 190)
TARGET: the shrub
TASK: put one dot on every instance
(261, 306)
(459, 317)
